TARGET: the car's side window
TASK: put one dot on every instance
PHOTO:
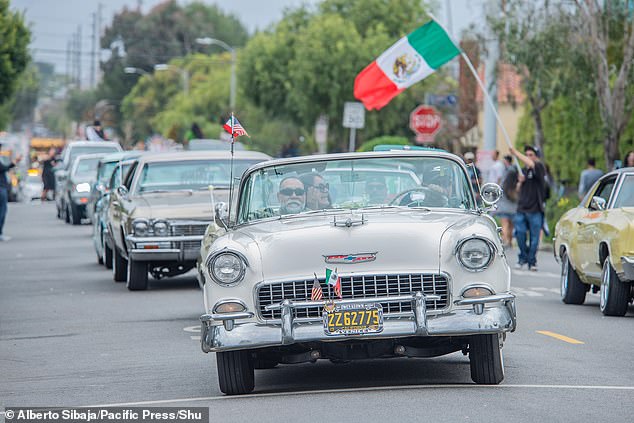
(130, 175)
(604, 190)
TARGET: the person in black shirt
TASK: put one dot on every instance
(48, 176)
(530, 206)
(4, 193)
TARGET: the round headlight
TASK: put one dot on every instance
(140, 227)
(160, 228)
(227, 268)
(475, 254)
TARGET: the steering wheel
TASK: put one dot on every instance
(420, 197)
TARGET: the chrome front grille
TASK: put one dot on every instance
(179, 229)
(355, 286)
(193, 246)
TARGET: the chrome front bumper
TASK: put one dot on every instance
(166, 248)
(492, 314)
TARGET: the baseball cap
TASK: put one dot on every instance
(469, 155)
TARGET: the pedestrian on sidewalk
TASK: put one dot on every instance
(588, 177)
(530, 206)
(507, 206)
(4, 192)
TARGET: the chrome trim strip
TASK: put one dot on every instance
(302, 304)
(135, 239)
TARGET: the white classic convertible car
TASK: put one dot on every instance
(356, 256)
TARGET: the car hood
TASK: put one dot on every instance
(194, 205)
(409, 241)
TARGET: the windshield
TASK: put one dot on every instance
(105, 171)
(86, 168)
(354, 183)
(190, 174)
(89, 149)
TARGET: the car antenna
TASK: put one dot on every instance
(231, 170)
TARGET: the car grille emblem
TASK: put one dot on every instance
(350, 258)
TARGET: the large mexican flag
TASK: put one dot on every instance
(409, 60)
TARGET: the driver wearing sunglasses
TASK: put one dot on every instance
(292, 195)
(317, 191)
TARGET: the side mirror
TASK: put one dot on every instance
(490, 193)
(221, 213)
(122, 191)
(598, 203)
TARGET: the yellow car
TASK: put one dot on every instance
(594, 243)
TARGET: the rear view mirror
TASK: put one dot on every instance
(598, 203)
(221, 213)
(490, 193)
(122, 191)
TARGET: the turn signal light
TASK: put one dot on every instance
(478, 291)
(229, 307)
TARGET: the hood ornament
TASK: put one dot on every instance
(350, 258)
(348, 221)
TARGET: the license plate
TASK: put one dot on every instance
(352, 319)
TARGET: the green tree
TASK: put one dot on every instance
(601, 30)
(168, 31)
(305, 66)
(14, 56)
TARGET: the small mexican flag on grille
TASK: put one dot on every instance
(317, 293)
(333, 279)
(409, 60)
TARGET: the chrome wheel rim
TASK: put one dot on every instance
(564, 276)
(605, 285)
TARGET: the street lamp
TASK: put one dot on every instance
(184, 74)
(207, 41)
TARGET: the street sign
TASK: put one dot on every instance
(353, 115)
(321, 133)
(425, 121)
(437, 100)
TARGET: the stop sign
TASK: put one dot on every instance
(425, 121)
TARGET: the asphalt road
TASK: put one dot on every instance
(70, 336)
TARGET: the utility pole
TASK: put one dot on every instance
(98, 32)
(490, 75)
(78, 52)
(68, 64)
(93, 52)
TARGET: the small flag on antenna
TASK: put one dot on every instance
(234, 128)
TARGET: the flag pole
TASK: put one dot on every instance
(482, 87)
(231, 168)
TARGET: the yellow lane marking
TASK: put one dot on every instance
(560, 337)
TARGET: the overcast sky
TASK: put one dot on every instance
(54, 21)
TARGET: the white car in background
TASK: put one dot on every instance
(418, 273)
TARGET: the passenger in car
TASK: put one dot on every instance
(376, 190)
(291, 195)
(317, 191)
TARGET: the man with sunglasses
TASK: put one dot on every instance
(317, 191)
(292, 195)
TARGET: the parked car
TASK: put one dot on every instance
(116, 164)
(67, 157)
(421, 273)
(32, 186)
(199, 144)
(594, 242)
(157, 217)
(76, 190)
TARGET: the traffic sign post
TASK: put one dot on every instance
(353, 118)
(425, 121)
